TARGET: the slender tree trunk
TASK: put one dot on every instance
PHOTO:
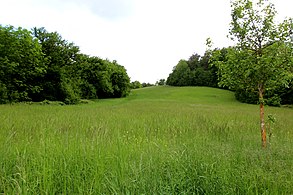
(262, 118)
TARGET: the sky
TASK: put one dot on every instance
(147, 37)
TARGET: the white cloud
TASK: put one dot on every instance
(148, 37)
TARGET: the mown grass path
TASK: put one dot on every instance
(159, 140)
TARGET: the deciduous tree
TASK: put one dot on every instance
(21, 65)
(262, 58)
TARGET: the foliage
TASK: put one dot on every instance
(135, 85)
(40, 65)
(244, 71)
(161, 82)
(21, 65)
(102, 78)
(274, 97)
(60, 56)
(286, 94)
(147, 85)
(120, 81)
(3, 94)
(180, 75)
(194, 72)
(261, 63)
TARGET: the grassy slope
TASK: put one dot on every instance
(160, 140)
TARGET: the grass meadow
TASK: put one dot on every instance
(159, 140)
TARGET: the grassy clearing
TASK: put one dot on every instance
(159, 140)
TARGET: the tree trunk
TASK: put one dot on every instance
(262, 118)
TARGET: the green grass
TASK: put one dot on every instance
(159, 140)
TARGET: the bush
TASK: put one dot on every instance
(88, 91)
(245, 96)
(71, 92)
(3, 94)
(250, 97)
(274, 101)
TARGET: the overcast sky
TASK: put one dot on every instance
(147, 37)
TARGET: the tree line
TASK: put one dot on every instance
(137, 85)
(196, 71)
(212, 69)
(37, 65)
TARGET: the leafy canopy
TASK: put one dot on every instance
(262, 57)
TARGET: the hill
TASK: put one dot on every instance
(202, 95)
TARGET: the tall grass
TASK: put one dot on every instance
(160, 140)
